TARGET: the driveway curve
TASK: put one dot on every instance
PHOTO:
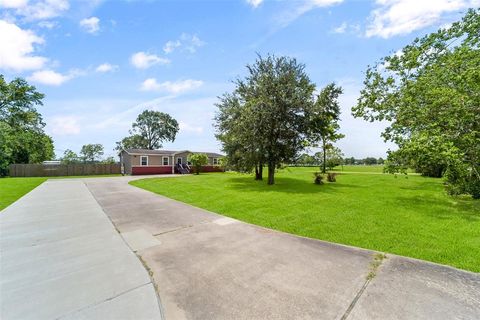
(206, 266)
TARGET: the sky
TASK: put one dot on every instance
(101, 63)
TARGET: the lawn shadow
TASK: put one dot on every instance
(468, 210)
(286, 185)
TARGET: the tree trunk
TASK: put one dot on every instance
(259, 172)
(271, 173)
(324, 169)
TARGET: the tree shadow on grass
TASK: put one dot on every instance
(468, 210)
(286, 185)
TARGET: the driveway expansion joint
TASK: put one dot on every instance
(100, 302)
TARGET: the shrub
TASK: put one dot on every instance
(318, 178)
(331, 177)
(198, 160)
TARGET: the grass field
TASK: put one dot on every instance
(12, 189)
(410, 216)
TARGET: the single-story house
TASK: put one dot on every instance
(144, 161)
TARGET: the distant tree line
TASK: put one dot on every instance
(89, 153)
(334, 158)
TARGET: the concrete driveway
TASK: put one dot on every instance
(206, 266)
(61, 258)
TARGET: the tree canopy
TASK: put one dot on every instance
(22, 139)
(149, 131)
(262, 122)
(430, 94)
(324, 116)
(198, 160)
(91, 152)
(330, 158)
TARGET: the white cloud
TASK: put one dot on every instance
(90, 25)
(142, 60)
(186, 42)
(400, 17)
(13, 4)
(189, 128)
(302, 7)
(106, 67)
(53, 78)
(254, 3)
(41, 10)
(64, 125)
(174, 87)
(347, 28)
(17, 48)
(171, 45)
(47, 24)
(341, 28)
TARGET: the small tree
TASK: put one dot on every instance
(333, 158)
(91, 152)
(198, 160)
(324, 116)
(69, 157)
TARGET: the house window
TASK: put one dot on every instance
(215, 161)
(165, 161)
(144, 160)
(179, 160)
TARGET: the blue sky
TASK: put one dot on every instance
(100, 63)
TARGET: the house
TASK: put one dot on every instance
(144, 161)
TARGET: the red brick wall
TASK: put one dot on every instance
(168, 170)
(151, 170)
(209, 169)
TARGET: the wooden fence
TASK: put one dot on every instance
(40, 170)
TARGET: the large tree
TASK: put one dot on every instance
(430, 93)
(135, 141)
(150, 130)
(263, 121)
(324, 116)
(22, 139)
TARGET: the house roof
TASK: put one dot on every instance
(168, 152)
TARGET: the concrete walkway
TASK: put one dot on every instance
(61, 258)
(206, 266)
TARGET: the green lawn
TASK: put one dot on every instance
(410, 216)
(12, 189)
